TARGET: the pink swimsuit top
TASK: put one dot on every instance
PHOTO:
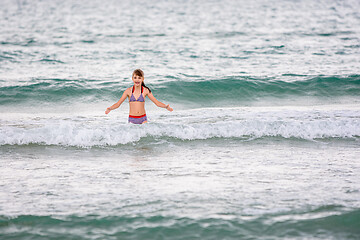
(140, 99)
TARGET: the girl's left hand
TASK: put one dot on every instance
(169, 108)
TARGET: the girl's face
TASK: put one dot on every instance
(137, 80)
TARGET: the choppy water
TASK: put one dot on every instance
(263, 142)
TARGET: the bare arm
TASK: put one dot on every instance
(158, 103)
(116, 105)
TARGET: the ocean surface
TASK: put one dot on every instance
(263, 142)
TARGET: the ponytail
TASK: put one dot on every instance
(143, 85)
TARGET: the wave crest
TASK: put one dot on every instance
(242, 89)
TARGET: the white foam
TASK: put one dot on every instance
(87, 131)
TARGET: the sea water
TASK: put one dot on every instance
(263, 142)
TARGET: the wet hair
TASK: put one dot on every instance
(140, 73)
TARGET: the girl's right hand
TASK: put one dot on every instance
(107, 110)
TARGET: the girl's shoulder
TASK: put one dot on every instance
(146, 91)
(128, 91)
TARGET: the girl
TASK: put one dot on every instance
(137, 113)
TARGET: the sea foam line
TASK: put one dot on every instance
(82, 134)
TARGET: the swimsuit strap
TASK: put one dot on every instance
(133, 88)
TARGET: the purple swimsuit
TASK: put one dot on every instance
(137, 119)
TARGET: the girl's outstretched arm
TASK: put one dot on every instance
(158, 103)
(116, 105)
